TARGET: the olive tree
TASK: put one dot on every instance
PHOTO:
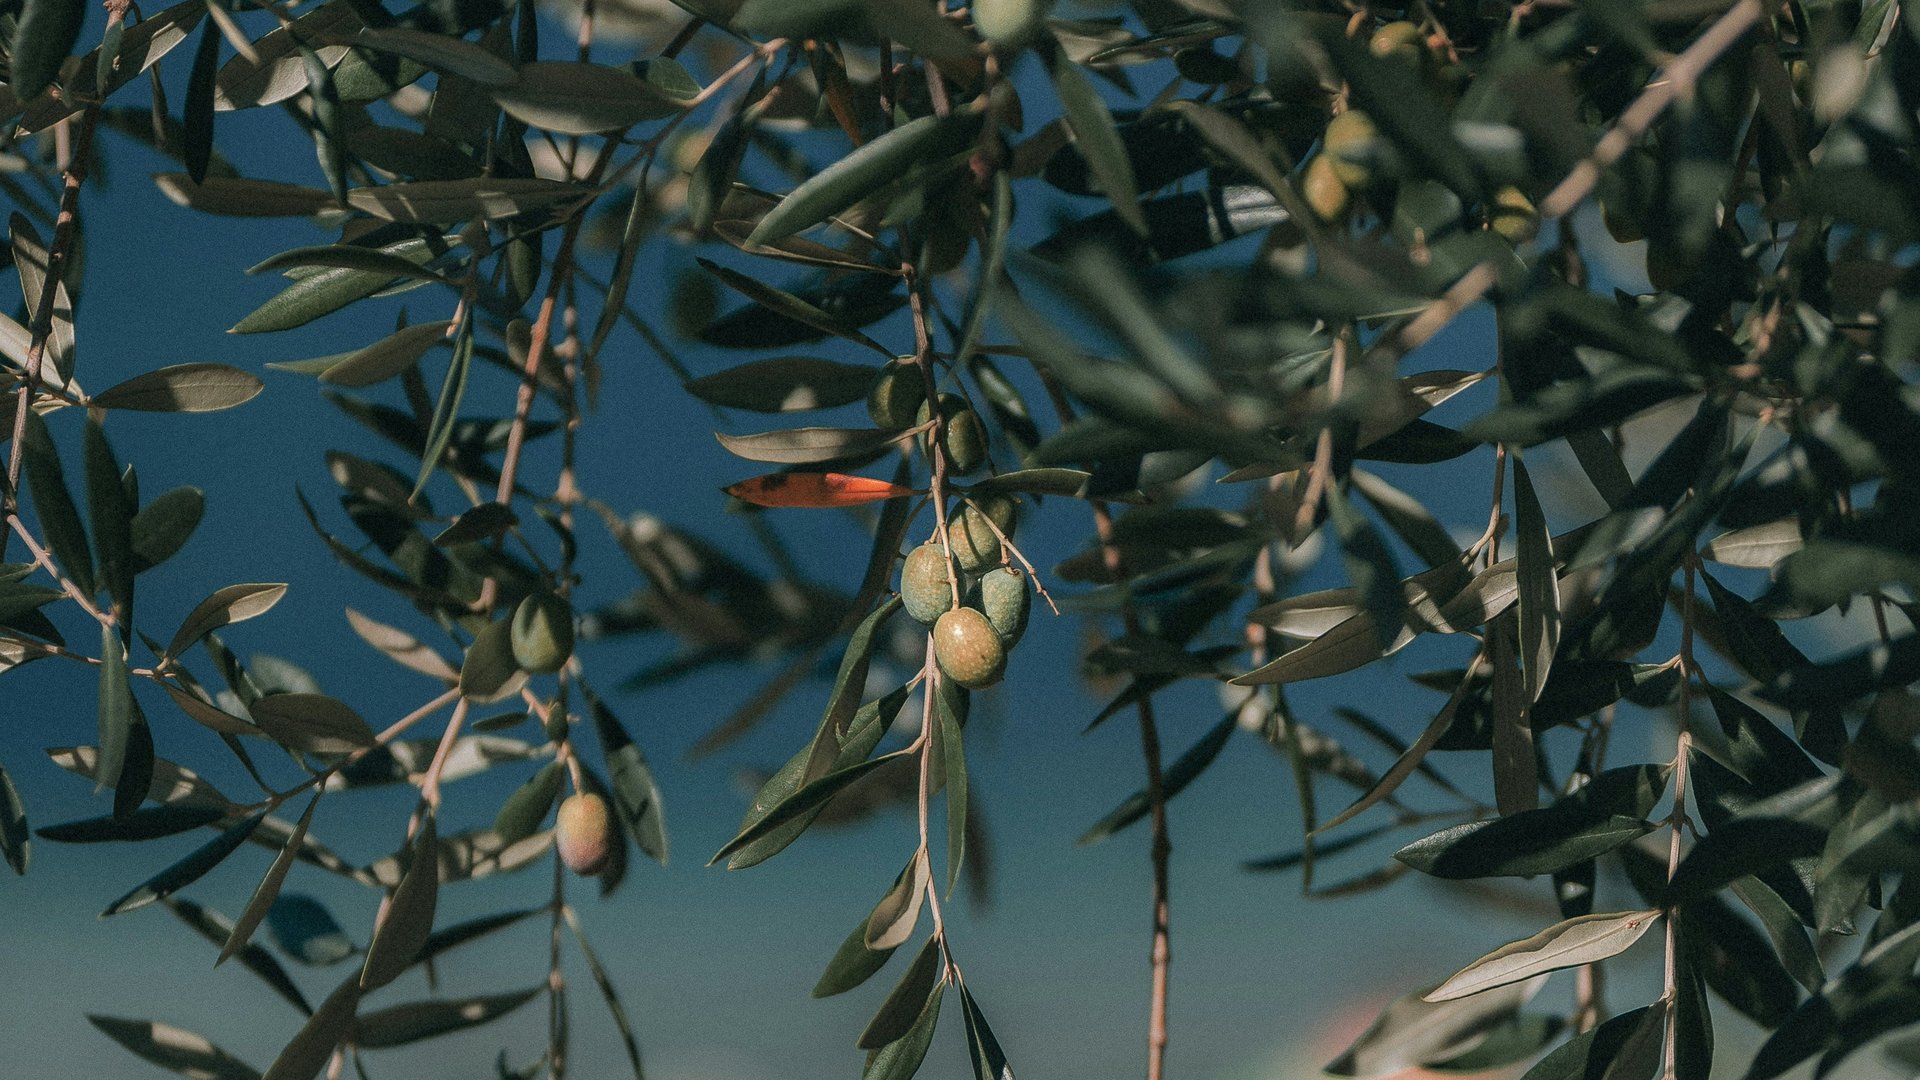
(1171, 268)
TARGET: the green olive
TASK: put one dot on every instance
(1401, 41)
(896, 395)
(1005, 599)
(1347, 143)
(968, 649)
(975, 546)
(1326, 196)
(925, 588)
(542, 633)
(1009, 24)
(966, 436)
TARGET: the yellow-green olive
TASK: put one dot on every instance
(1326, 196)
(584, 833)
(1401, 41)
(1347, 145)
(968, 648)
(966, 436)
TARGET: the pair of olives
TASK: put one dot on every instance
(970, 642)
(898, 399)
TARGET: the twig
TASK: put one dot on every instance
(1677, 820)
(41, 326)
(1676, 80)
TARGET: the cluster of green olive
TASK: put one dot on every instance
(970, 641)
(898, 400)
(1349, 148)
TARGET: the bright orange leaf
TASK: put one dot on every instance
(815, 489)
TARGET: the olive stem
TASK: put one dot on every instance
(930, 687)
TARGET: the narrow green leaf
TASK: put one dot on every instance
(387, 357)
(162, 527)
(1531, 842)
(139, 47)
(607, 993)
(409, 913)
(30, 259)
(269, 888)
(849, 683)
(865, 170)
(953, 755)
(441, 52)
(403, 1025)
(115, 709)
(446, 407)
(460, 933)
(989, 1061)
(311, 723)
(903, 1006)
(188, 388)
(187, 870)
(110, 515)
(901, 1058)
(451, 202)
(45, 34)
(59, 519)
(489, 672)
(852, 964)
(1184, 770)
(1539, 595)
(314, 1042)
(197, 114)
(572, 98)
(894, 917)
(784, 384)
(1412, 1031)
(232, 604)
(146, 823)
(1589, 1055)
(784, 303)
(636, 795)
(15, 844)
(807, 798)
(1516, 772)
(174, 1049)
(334, 288)
(808, 446)
(1098, 138)
(526, 809)
(217, 929)
(1586, 939)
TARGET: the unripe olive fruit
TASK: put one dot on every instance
(542, 633)
(1513, 215)
(1005, 600)
(925, 588)
(896, 395)
(971, 533)
(1345, 141)
(1010, 24)
(966, 436)
(1326, 196)
(968, 648)
(583, 832)
(1400, 41)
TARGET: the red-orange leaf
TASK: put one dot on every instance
(815, 489)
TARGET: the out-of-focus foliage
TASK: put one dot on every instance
(1171, 266)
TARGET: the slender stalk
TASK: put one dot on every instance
(1160, 849)
(1677, 820)
(40, 328)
